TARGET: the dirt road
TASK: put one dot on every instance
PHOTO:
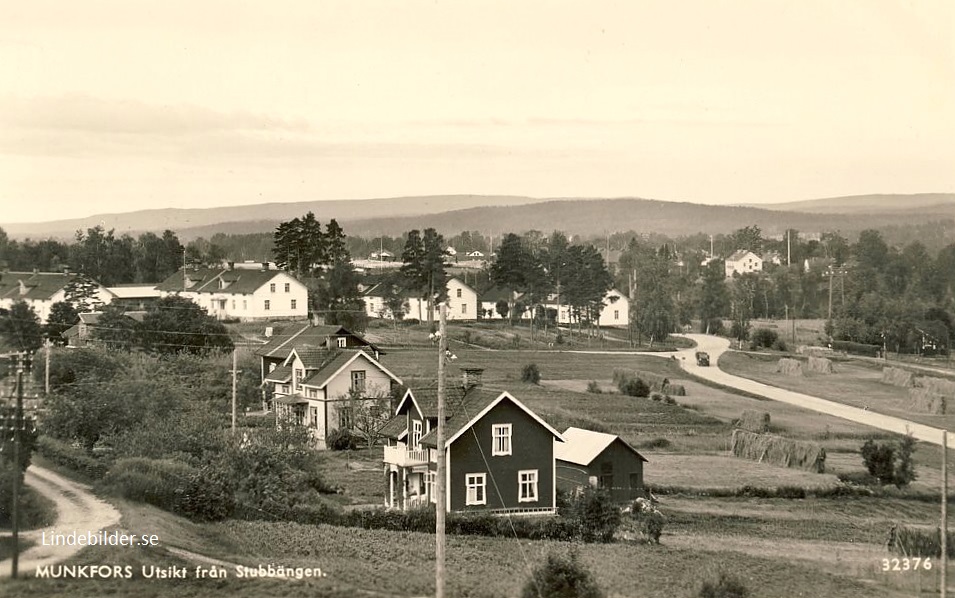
(77, 510)
(716, 346)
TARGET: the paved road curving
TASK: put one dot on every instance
(77, 509)
(716, 346)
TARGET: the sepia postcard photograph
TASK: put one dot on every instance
(477, 299)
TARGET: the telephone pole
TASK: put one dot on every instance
(234, 373)
(944, 534)
(15, 511)
(439, 486)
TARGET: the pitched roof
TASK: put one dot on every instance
(582, 446)
(295, 399)
(395, 428)
(207, 280)
(303, 334)
(740, 254)
(134, 291)
(335, 364)
(313, 358)
(426, 399)
(282, 373)
(35, 285)
(464, 412)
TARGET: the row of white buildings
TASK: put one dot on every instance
(259, 291)
(248, 291)
(466, 303)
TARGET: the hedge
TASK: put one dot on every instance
(62, 453)
(857, 348)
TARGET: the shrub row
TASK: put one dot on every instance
(64, 454)
(789, 492)
(857, 348)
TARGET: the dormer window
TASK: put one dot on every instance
(342, 342)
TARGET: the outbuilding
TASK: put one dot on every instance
(588, 458)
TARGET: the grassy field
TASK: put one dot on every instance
(853, 382)
(377, 563)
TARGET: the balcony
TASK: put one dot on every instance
(402, 456)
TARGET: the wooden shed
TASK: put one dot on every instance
(600, 460)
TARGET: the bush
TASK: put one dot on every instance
(634, 387)
(890, 464)
(76, 459)
(158, 482)
(342, 440)
(726, 586)
(650, 520)
(596, 515)
(655, 443)
(208, 494)
(561, 577)
(593, 387)
(780, 345)
(764, 337)
(531, 374)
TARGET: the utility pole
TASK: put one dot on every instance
(944, 513)
(46, 373)
(831, 272)
(439, 486)
(15, 511)
(789, 260)
(234, 373)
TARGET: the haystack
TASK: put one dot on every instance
(819, 365)
(897, 377)
(777, 450)
(789, 367)
(925, 401)
(754, 421)
(939, 386)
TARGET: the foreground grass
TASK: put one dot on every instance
(377, 563)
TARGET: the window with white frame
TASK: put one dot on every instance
(527, 480)
(272, 288)
(464, 308)
(358, 380)
(459, 293)
(429, 481)
(500, 439)
(299, 377)
(267, 305)
(415, 433)
(476, 488)
(342, 342)
(293, 303)
(313, 416)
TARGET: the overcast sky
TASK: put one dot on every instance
(116, 106)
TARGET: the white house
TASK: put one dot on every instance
(40, 290)
(240, 293)
(476, 255)
(615, 312)
(462, 303)
(323, 389)
(743, 261)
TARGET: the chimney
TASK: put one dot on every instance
(265, 266)
(268, 332)
(231, 266)
(471, 377)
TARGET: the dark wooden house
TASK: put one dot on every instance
(600, 460)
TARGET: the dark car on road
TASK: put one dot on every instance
(702, 358)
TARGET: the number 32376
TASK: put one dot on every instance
(907, 564)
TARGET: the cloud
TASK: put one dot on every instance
(84, 113)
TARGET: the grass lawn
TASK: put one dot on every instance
(379, 563)
(6, 546)
(853, 383)
(724, 471)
